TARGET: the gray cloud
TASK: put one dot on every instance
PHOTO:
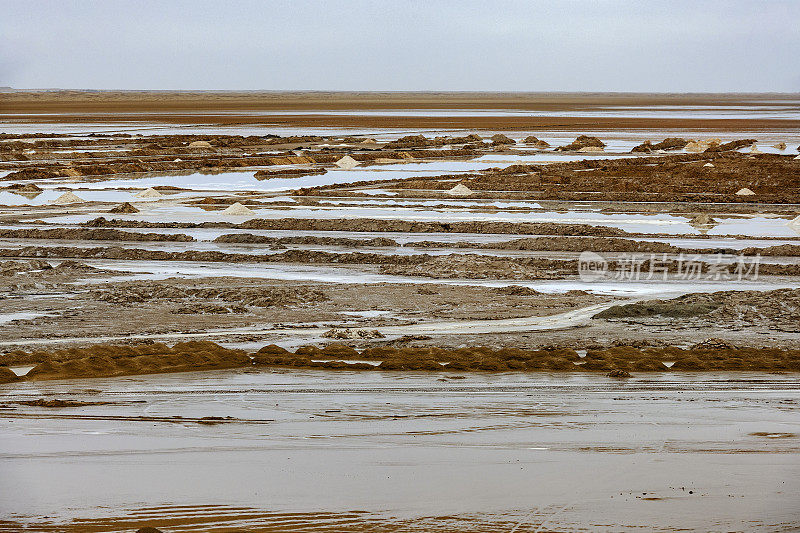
(732, 45)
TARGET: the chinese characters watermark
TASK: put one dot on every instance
(593, 266)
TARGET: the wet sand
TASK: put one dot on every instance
(406, 452)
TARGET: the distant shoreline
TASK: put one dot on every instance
(277, 108)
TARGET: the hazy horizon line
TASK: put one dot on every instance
(390, 91)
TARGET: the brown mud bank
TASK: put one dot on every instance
(448, 266)
(536, 244)
(779, 309)
(110, 360)
(155, 161)
(249, 238)
(625, 358)
(90, 234)
(668, 178)
(373, 225)
(37, 275)
(140, 292)
(468, 266)
(107, 360)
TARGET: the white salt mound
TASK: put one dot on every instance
(346, 163)
(149, 193)
(67, 198)
(200, 144)
(798, 157)
(694, 146)
(591, 149)
(238, 210)
(460, 190)
(369, 141)
(744, 192)
(708, 165)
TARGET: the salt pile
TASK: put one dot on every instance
(149, 193)
(695, 146)
(591, 149)
(67, 198)
(795, 223)
(708, 165)
(238, 209)
(200, 144)
(460, 190)
(744, 192)
(703, 223)
(346, 163)
(702, 218)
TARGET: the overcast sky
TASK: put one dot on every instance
(605, 45)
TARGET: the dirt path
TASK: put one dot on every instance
(567, 320)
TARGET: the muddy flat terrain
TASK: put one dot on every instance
(312, 449)
(405, 311)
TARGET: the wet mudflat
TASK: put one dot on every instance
(401, 226)
(711, 451)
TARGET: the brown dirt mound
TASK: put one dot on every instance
(409, 141)
(7, 375)
(124, 208)
(670, 143)
(733, 145)
(499, 139)
(288, 173)
(726, 309)
(26, 187)
(618, 361)
(646, 147)
(534, 141)
(109, 360)
(583, 141)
